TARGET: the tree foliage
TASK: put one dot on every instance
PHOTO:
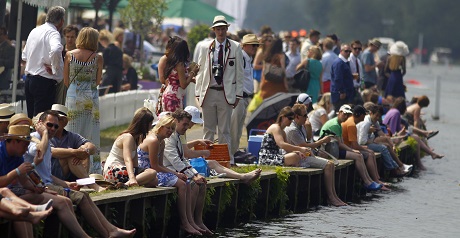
(196, 34)
(139, 14)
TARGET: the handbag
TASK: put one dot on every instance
(273, 73)
(302, 79)
(332, 148)
(159, 107)
(200, 165)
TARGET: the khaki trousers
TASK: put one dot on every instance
(237, 123)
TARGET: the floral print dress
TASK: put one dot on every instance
(173, 96)
(270, 153)
(164, 179)
(83, 104)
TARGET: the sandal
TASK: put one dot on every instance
(432, 134)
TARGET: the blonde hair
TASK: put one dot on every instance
(166, 120)
(117, 32)
(127, 60)
(324, 102)
(41, 19)
(87, 39)
(395, 62)
(105, 35)
(316, 52)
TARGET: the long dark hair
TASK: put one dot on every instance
(274, 49)
(140, 124)
(285, 112)
(176, 52)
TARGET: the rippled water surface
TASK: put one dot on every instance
(427, 205)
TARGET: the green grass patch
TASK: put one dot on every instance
(109, 135)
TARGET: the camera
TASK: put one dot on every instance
(217, 71)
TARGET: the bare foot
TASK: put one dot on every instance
(385, 188)
(36, 217)
(96, 187)
(198, 228)
(251, 176)
(436, 156)
(421, 166)
(20, 211)
(122, 233)
(207, 231)
(336, 202)
(189, 229)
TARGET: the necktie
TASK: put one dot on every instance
(220, 61)
(357, 68)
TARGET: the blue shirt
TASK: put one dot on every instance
(367, 58)
(8, 163)
(44, 168)
(327, 60)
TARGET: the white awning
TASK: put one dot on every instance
(47, 3)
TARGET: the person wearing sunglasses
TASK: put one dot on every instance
(275, 150)
(342, 90)
(356, 69)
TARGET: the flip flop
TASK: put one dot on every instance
(433, 133)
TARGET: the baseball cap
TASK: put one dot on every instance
(304, 98)
(196, 118)
(346, 109)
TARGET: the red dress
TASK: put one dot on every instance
(173, 95)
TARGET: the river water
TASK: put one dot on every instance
(427, 205)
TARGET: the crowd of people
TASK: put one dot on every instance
(343, 105)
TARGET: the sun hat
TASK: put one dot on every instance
(14, 120)
(399, 48)
(250, 39)
(303, 98)
(346, 109)
(6, 112)
(219, 21)
(196, 118)
(18, 132)
(36, 118)
(375, 43)
(60, 109)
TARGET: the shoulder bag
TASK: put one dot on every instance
(302, 78)
(273, 73)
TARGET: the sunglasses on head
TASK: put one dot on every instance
(357, 48)
(51, 125)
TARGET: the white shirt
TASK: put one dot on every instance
(363, 130)
(215, 59)
(248, 84)
(352, 59)
(44, 46)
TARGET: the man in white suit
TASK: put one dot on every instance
(219, 84)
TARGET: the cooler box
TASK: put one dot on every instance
(219, 153)
(255, 141)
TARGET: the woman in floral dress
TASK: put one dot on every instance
(173, 71)
(82, 74)
(150, 155)
(275, 150)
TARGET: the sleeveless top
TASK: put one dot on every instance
(116, 156)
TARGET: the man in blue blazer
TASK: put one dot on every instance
(342, 90)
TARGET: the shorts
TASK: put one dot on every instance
(75, 196)
(342, 154)
(56, 170)
(117, 173)
(326, 86)
(313, 162)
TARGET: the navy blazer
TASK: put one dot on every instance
(341, 81)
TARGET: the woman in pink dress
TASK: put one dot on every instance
(173, 72)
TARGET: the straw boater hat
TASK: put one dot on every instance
(14, 120)
(399, 48)
(60, 109)
(250, 39)
(18, 132)
(6, 112)
(375, 43)
(219, 21)
(99, 179)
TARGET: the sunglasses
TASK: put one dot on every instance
(347, 51)
(51, 125)
(306, 115)
(290, 118)
(357, 48)
(255, 46)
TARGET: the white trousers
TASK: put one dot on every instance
(237, 124)
(217, 113)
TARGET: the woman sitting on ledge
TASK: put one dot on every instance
(275, 150)
(150, 155)
(121, 164)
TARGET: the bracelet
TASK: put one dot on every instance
(18, 172)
